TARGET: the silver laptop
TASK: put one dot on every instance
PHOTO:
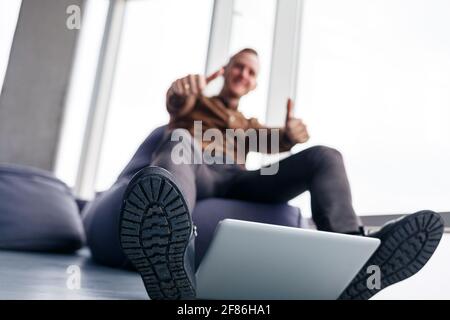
(249, 260)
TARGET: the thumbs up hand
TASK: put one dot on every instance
(295, 129)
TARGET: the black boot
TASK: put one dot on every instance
(157, 234)
(406, 245)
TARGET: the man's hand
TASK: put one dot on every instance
(296, 130)
(193, 84)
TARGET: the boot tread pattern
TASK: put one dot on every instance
(155, 228)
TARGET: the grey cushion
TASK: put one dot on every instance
(37, 211)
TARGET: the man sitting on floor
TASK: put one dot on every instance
(156, 214)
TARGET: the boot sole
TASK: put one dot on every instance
(155, 228)
(405, 250)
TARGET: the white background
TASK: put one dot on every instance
(374, 82)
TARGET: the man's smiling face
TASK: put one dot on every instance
(241, 73)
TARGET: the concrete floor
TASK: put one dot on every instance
(45, 276)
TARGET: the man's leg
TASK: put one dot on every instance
(156, 228)
(157, 234)
(196, 181)
(406, 244)
(101, 217)
(318, 169)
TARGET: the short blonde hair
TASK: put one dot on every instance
(245, 50)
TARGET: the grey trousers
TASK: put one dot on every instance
(319, 170)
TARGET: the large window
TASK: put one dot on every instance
(9, 12)
(253, 26)
(162, 40)
(80, 90)
(374, 83)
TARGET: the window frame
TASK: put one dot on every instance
(285, 53)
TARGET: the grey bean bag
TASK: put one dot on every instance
(37, 212)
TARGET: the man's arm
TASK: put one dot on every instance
(183, 93)
(285, 144)
(180, 98)
(293, 132)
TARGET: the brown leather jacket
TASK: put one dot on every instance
(215, 114)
